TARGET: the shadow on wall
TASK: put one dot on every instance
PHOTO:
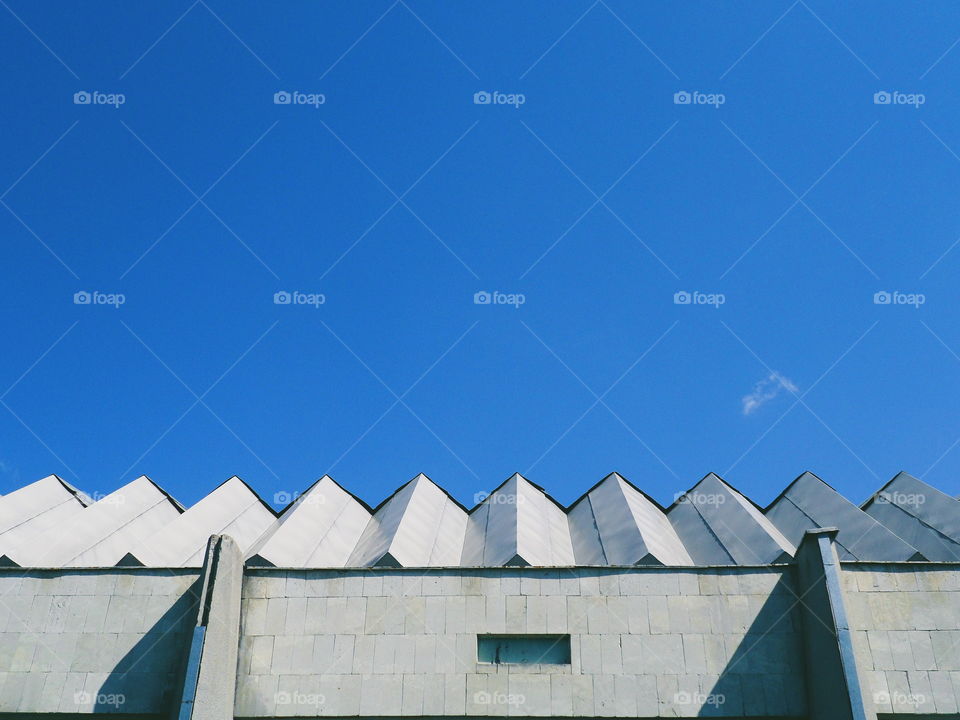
(764, 676)
(148, 678)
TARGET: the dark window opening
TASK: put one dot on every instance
(525, 649)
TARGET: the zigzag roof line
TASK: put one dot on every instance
(49, 523)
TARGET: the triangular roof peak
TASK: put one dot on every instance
(237, 480)
(142, 479)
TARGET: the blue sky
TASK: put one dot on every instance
(781, 199)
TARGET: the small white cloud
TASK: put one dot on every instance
(765, 391)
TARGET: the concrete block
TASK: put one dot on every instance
(921, 692)
(658, 614)
(404, 655)
(946, 649)
(372, 585)
(413, 691)
(581, 689)
(446, 660)
(342, 660)
(529, 585)
(282, 663)
(591, 655)
(943, 693)
(611, 659)
(451, 585)
(433, 695)
(363, 651)
(922, 649)
(455, 694)
(694, 654)
(436, 615)
(556, 607)
(353, 584)
(260, 649)
(528, 694)
(609, 584)
(425, 649)
(536, 615)
(476, 609)
(255, 618)
(296, 614)
(625, 696)
(689, 583)
(381, 695)
(577, 614)
(455, 608)
(589, 585)
(276, 616)
(516, 621)
(561, 696)
(663, 654)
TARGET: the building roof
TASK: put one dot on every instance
(52, 524)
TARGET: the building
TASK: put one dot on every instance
(813, 607)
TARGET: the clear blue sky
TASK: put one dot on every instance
(797, 199)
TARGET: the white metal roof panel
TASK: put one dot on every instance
(319, 529)
(232, 509)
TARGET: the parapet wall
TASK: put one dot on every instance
(93, 641)
(644, 642)
(906, 623)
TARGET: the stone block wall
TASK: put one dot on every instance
(645, 642)
(906, 623)
(85, 641)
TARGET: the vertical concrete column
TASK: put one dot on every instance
(210, 679)
(833, 683)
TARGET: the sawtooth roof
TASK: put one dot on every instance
(49, 523)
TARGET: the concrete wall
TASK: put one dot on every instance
(82, 641)
(645, 642)
(906, 622)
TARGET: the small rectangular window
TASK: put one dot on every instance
(525, 649)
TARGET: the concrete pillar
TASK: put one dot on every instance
(834, 691)
(211, 675)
